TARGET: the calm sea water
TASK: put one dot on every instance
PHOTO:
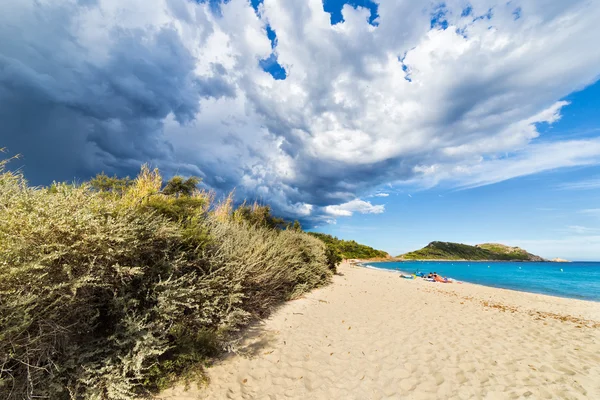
(579, 280)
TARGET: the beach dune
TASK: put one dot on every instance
(373, 335)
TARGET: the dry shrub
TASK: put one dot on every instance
(147, 183)
(224, 209)
(266, 265)
(85, 289)
(113, 297)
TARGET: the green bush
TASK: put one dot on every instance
(115, 294)
(348, 249)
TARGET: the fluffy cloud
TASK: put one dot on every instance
(356, 205)
(431, 93)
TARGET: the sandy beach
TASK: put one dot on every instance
(373, 335)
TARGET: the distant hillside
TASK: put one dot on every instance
(349, 248)
(459, 251)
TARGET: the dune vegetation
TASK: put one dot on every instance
(115, 288)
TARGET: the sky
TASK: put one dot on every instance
(391, 122)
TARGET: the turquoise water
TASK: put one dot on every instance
(578, 280)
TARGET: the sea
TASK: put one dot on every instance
(577, 280)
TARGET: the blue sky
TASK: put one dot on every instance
(477, 120)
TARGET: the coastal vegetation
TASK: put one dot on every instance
(459, 251)
(349, 249)
(114, 288)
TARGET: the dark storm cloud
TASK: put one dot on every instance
(324, 183)
(71, 115)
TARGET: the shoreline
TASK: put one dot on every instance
(370, 335)
(480, 284)
(464, 260)
(460, 260)
(361, 264)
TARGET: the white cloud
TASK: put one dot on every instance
(356, 205)
(591, 211)
(582, 230)
(534, 158)
(581, 185)
(117, 83)
(382, 194)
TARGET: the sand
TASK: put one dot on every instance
(374, 335)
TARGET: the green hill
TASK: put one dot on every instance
(459, 251)
(349, 248)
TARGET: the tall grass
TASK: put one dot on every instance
(113, 295)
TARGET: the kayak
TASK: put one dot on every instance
(407, 276)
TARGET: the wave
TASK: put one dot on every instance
(369, 266)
